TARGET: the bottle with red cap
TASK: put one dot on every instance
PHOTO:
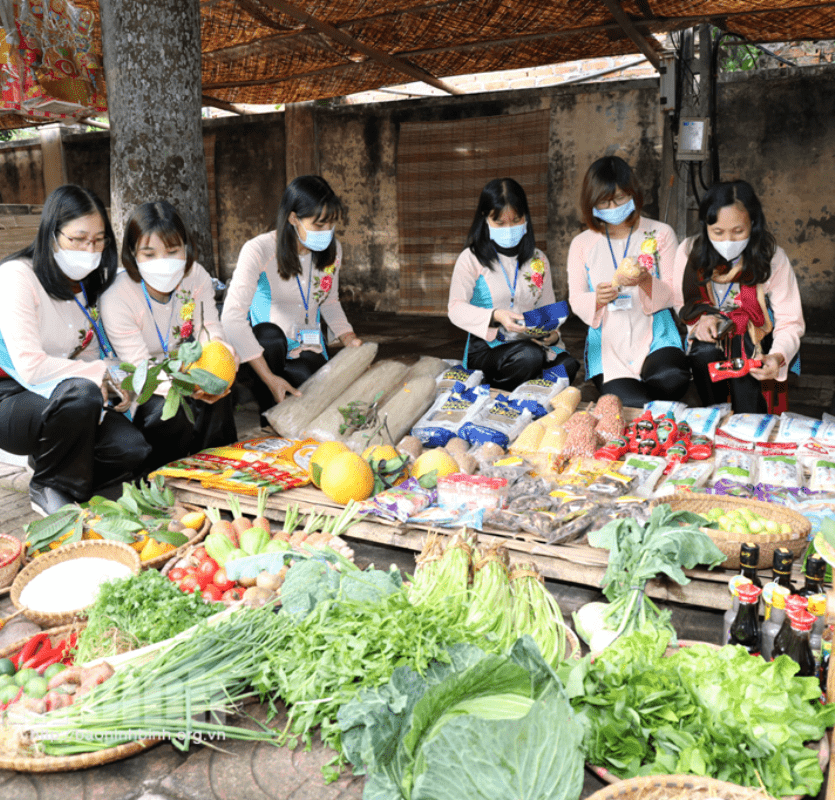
(794, 603)
(745, 629)
(797, 642)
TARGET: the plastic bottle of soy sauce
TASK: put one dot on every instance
(797, 642)
(745, 629)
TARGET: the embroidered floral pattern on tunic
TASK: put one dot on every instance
(536, 278)
(185, 331)
(322, 284)
(648, 258)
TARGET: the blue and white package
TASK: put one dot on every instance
(796, 428)
(535, 394)
(458, 374)
(450, 411)
(703, 421)
(544, 319)
(500, 421)
(750, 427)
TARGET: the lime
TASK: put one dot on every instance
(7, 666)
(771, 526)
(7, 679)
(53, 669)
(785, 528)
(24, 675)
(755, 526)
(36, 687)
(8, 693)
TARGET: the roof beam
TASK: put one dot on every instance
(413, 71)
(632, 32)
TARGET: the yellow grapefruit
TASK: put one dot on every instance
(216, 359)
(379, 452)
(321, 455)
(347, 476)
(431, 460)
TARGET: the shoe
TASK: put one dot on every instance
(46, 500)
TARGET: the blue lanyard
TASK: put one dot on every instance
(306, 300)
(102, 341)
(163, 342)
(727, 292)
(625, 249)
(507, 281)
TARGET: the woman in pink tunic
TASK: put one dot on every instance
(633, 347)
(500, 275)
(732, 274)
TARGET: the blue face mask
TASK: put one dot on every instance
(316, 240)
(614, 216)
(508, 237)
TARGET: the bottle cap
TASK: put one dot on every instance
(801, 620)
(817, 604)
(748, 593)
(815, 568)
(779, 595)
(795, 602)
(737, 581)
(782, 563)
(749, 555)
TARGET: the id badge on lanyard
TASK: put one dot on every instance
(623, 302)
(308, 336)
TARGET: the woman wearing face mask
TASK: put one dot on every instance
(163, 299)
(633, 348)
(286, 281)
(500, 275)
(58, 402)
(733, 276)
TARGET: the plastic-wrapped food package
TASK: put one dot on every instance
(529, 439)
(499, 421)
(750, 427)
(469, 377)
(687, 477)
(381, 378)
(400, 411)
(796, 428)
(535, 394)
(646, 470)
(660, 408)
(735, 465)
(427, 365)
(568, 398)
(703, 421)
(559, 416)
(293, 414)
(554, 440)
(450, 411)
(582, 440)
(826, 432)
(781, 471)
(609, 410)
(399, 503)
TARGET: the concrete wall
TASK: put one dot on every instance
(783, 146)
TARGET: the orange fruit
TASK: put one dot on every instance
(153, 548)
(216, 359)
(347, 476)
(321, 455)
(431, 460)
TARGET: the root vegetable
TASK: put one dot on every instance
(269, 581)
(175, 525)
(222, 526)
(247, 582)
(260, 520)
(240, 523)
(410, 445)
(68, 676)
(466, 463)
(457, 446)
(256, 597)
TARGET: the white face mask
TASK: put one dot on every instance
(162, 274)
(730, 250)
(77, 264)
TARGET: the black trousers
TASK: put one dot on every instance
(745, 392)
(664, 376)
(294, 370)
(506, 366)
(74, 452)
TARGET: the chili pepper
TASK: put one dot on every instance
(31, 647)
(48, 655)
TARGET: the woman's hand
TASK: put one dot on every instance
(552, 337)
(511, 321)
(280, 388)
(350, 339)
(705, 328)
(605, 293)
(199, 394)
(114, 396)
(770, 368)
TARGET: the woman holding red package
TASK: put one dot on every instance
(740, 300)
(633, 348)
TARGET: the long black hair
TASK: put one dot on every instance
(495, 197)
(308, 196)
(65, 204)
(704, 259)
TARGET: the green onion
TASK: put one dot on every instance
(535, 612)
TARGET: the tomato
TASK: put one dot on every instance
(189, 584)
(176, 574)
(221, 580)
(203, 580)
(208, 566)
(211, 594)
(200, 554)
(232, 595)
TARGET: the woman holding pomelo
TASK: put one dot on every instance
(285, 284)
(162, 300)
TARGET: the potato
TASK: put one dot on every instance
(456, 446)
(256, 596)
(266, 580)
(466, 463)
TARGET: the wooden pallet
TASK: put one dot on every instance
(569, 563)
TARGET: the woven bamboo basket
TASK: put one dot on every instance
(42, 763)
(11, 551)
(729, 543)
(677, 787)
(115, 551)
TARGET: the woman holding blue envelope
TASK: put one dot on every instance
(501, 294)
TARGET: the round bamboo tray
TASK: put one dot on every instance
(103, 548)
(196, 537)
(677, 787)
(729, 543)
(41, 763)
(10, 563)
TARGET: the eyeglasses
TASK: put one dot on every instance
(80, 243)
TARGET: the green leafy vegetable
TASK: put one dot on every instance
(721, 713)
(135, 611)
(438, 736)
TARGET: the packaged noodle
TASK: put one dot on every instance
(735, 465)
(688, 477)
(536, 393)
(781, 471)
(448, 379)
(450, 411)
(750, 427)
(796, 428)
(646, 470)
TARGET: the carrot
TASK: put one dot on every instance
(239, 522)
(222, 526)
(260, 520)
